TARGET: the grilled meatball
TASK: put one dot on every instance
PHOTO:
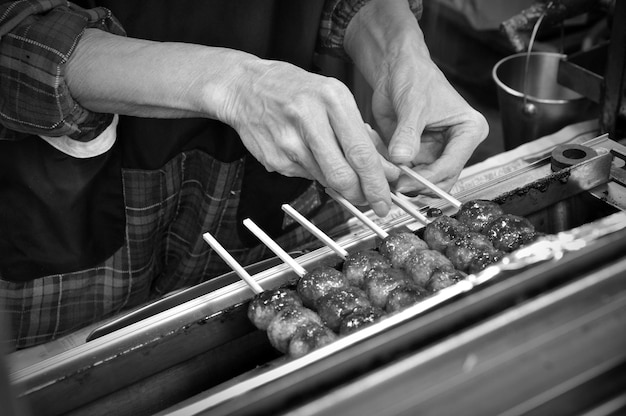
(359, 318)
(404, 296)
(309, 337)
(484, 259)
(339, 303)
(508, 232)
(318, 282)
(477, 213)
(379, 282)
(285, 324)
(444, 277)
(442, 231)
(399, 246)
(264, 306)
(357, 265)
(422, 265)
(464, 249)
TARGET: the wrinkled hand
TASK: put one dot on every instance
(424, 121)
(302, 124)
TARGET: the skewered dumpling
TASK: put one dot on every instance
(463, 250)
(379, 282)
(359, 318)
(509, 232)
(339, 303)
(442, 278)
(404, 296)
(477, 213)
(318, 282)
(442, 231)
(359, 263)
(285, 324)
(399, 246)
(310, 337)
(423, 264)
(264, 306)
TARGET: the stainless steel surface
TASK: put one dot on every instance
(214, 326)
(179, 297)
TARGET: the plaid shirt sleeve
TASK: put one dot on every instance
(36, 40)
(335, 19)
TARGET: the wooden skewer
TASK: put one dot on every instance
(271, 244)
(410, 172)
(409, 208)
(341, 252)
(357, 213)
(225, 255)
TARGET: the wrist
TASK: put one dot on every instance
(372, 42)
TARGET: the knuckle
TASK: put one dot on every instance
(342, 178)
(362, 156)
(332, 88)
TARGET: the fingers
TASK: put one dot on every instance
(369, 166)
(392, 172)
(405, 141)
(445, 152)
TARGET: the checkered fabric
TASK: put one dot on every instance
(167, 211)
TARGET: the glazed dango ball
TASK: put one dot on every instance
(339, 303)
(318, 282)
(509, 232)
(264, 306)
(477, 213)
(442, 231)
(286, 323)
(359, 263)
(398, 247)
(310, 337)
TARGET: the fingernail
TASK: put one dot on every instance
(401, 152)
(381, 208)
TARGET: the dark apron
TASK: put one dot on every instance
(59, 214)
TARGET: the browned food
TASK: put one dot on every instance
(359, 318)
(339, 303)
(442, 278)
(509, 232)
(398, 247)
(379, 282)
(310, 337)
(404, 296)
(442, 231)
(285, 324)
(357, 264)
(463, 250)
(422, 265)
(484, 259)
(264, 306)
(477, 213)
(318, 282)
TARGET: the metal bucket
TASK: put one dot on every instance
(532, 103)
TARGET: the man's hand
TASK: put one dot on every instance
(302, 124)
(425, 122)
(294, 122)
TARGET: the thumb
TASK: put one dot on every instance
(405, 142)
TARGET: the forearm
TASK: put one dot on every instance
(379, 33)
(115, 74)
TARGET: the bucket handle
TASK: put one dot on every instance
(529, 108)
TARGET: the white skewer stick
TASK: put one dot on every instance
(271, 244)
(409, 208)
(225, 255)
(357, 213)
(410, 172)
(341, 252)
